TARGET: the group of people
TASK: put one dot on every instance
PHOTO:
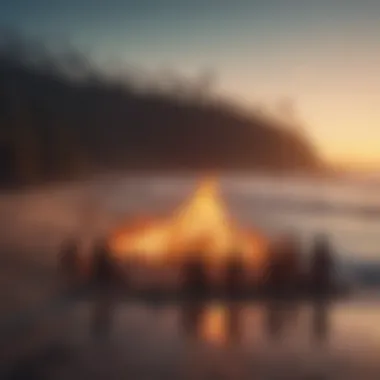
(99, 271)
(97, 268)
(286, 272)
(283, 273)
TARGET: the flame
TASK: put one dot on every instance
(201, 224)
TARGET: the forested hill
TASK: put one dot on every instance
(59, 119)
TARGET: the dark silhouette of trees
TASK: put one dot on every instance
(62, 118)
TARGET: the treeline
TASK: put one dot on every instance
(60, 118)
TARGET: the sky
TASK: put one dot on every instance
(324, 55)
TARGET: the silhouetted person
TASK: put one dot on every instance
(104, 278)
(70, 263)
(290, 265)
(234, 276)
(103, 266)
(195, 281)
(283, 268)
(275, 276)
(321, 270)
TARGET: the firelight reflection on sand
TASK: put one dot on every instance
(200, 225)
(213, 328)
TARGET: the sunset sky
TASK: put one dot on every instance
(324, 54)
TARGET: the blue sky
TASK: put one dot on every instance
(323, 54)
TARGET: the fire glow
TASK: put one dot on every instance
(201, 225)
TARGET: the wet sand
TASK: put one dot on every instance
(210, 341)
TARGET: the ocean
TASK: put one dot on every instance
(347, 211)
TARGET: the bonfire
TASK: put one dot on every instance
(201, 225)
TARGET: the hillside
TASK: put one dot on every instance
(55, 124)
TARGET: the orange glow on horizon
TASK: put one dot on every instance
(351, 164)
